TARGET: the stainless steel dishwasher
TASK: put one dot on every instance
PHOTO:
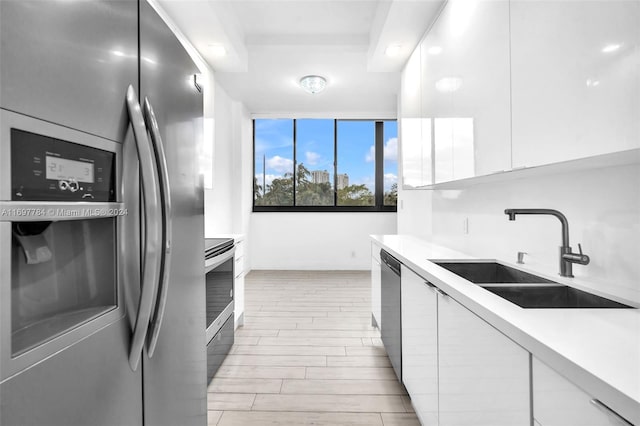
(391, 328)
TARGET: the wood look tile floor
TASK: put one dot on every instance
(308, 355)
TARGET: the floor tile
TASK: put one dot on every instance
(367, 373)
(277, 360)
(358, 361)
(307, 355)
(331, 403)
(248, 385)
(342, 387)
(288, 350)
(213, 417)
(400, 419)
(230, 401)
(284, 418)
(259, 372)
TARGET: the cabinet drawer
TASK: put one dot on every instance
(558, 402)
(239, 266)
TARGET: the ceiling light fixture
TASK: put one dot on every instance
(313, 83)
(217, 50)
(611, 48)
(393, 50)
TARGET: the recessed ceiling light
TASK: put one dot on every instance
(611, 48)
(313, 83)
(217, 50)
(393, 50)
(434, 50)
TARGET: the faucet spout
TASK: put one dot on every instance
(567, 258)
(562, 218)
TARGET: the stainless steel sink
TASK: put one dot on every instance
(491, 272)
(524, 289)
(550, 296)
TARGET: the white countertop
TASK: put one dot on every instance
(597, 349)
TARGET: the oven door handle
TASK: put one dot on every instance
(165, 195)
(152, 228)
(214, 262)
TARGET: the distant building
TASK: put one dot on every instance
(320, 176)
(343, 181)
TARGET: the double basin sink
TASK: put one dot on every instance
(524, 289)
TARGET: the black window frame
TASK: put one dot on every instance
(379, 175)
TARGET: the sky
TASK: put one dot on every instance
(356, 151)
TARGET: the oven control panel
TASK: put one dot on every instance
(48, 169)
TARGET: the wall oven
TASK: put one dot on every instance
(219, 269)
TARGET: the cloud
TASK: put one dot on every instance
(267, 179)
(371, 155)
(390, 151)
(280, 164)
(389, 179)
(312, 158)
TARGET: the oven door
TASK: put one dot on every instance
(219, 290)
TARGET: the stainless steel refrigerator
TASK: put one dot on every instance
(102, 299)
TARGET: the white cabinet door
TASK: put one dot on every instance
(481, 124)
(575, 85)
(558, 402)
(415, 139)
(238, 284)
(483, 375)
(420, 345)
(466, 90)
(376, 305)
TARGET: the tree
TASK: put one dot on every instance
(355, 195)
(280, 192)
(257, 191)
(391, 197)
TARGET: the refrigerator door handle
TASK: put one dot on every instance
(163, 171)
(151, 259)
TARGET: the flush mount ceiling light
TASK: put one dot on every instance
(217, 50)
(611, 48)
(393, 50)
(313, 83)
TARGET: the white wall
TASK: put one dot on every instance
(601, 205)
(316, 241)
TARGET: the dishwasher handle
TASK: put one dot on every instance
(390, 261)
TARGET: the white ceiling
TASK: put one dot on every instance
(271, 44)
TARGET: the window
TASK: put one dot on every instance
(325, 165)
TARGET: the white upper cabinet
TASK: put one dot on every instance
(506, 85)
(464, 104)
(575, 79)
(467, 94)
(415, 150)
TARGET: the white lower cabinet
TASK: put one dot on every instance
(459, 370)
(376, 278)
(483, 375)
(558, 402)
(238, 284)
(420, 345)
